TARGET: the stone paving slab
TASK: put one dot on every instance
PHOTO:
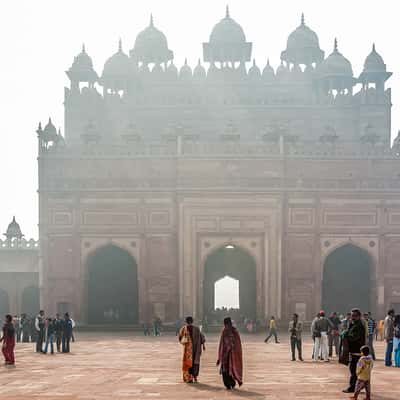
(124, 366)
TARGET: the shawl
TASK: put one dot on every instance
(230, 354)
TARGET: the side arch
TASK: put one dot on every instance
(347, 279)
(112, 286)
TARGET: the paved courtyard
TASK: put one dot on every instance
(129, 366)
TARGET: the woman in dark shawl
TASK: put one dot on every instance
(8, 340)
(230, 355)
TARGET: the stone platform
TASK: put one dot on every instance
(127, 366)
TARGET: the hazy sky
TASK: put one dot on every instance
(40, 38)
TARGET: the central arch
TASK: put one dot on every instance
(234, 262)
(112, 287)
(346, 282)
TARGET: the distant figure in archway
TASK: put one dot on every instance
(8, 340)
(273, 330)
(230, 356)
(193, 342)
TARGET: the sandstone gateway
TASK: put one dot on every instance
(167, 180)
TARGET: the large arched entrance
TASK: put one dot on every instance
(4, 304)
(30, 301)
(346, 280)
(233, 262)
(112, 287)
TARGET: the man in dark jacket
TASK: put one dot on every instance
(355, 336)
(67, 333)
(58, 329)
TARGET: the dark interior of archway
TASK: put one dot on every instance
(237, 264)
(347, 280)
(30, 301)
(4, 303)
(112, 287)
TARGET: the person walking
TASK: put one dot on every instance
(371, 324)
(295, 329)
(8, 341)
(355, 337)
(40, 325)
(17, 327)
(230, 358)
(364, 369)
(396, 340)
(334, 333)
(193, 342)
(388, 336)
(66, 333)
(273, 330)
(50, 334)
(320, 332)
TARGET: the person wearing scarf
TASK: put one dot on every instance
(193, 342)
(230, 356)
(8, 340)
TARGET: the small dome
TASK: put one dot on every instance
(151, 46)
(336, 65)
(199, 71)
(254, 71)
(82, 62)
(82, 68)
(117, 65)
(185, 72)
(49, 133)
(227, 31)
(302, 46)
(282, 72)
(374, 62)
(172, 71)
(268, 73)
(13, 230)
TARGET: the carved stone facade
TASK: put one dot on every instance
(287, 165)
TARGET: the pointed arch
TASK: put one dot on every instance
(347, 279)
(112, 286)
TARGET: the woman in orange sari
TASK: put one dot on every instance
(193, 342)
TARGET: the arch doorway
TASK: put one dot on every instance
(4, 304)
(346, 280)
(30, 301)
(112, 287)
(233, 265)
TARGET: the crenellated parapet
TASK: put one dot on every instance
(19, 244)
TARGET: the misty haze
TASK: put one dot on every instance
(217, 180)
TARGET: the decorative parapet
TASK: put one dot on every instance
(18, 244)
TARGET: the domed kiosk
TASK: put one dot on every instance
(227, 42)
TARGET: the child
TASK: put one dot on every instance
(364, 368)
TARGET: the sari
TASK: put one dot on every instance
(192, 340)
(230, 357)
(8, 345)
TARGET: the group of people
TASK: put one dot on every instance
(229, 358)
(154, 327)
(47, 332)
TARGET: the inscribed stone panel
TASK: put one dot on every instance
(207, 225)
(62, 218)
(349, 218)
(107, 218)
(159, 218)
(301, 216)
